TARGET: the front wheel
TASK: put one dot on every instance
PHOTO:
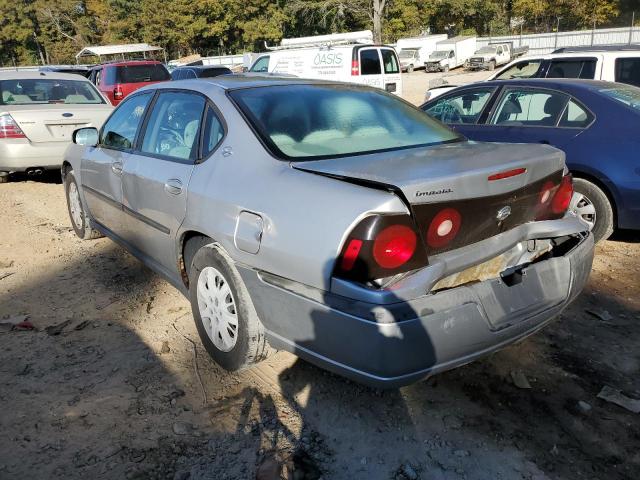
(4, 177)
(445, 69)
(592, 205)
(79, 219)
(492, 66)
(410, 69)
(225, 317)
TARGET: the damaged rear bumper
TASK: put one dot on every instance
(396, 343)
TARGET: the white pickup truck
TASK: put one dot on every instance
(491, 56)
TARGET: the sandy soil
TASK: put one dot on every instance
(107, 385)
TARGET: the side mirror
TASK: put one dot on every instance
(86, 136)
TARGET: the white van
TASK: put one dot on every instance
(330, 59)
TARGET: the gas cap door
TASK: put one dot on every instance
(248, 233)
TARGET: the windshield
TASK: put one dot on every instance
(486, 50)
(439, 54)
(628, 95)
(322, 121)
(407, 53)
(44, 90)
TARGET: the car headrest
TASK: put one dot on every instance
(554, 105)
(511, 107)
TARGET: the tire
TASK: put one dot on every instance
(492, 66)
(410, 69)
(4, 177)
(593, 206)
(225, 317)
(79, 220)
(445, 69)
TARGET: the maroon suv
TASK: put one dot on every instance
(116, 80)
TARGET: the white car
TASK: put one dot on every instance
(611, 65)
(38, 113)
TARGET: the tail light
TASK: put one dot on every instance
(118, 94)
(355, 68)
(562, 198)
(9, 128)
(381, 246)
(443, 228)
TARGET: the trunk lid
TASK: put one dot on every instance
(457, 176)
(56, 123)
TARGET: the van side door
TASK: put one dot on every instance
(391, 79)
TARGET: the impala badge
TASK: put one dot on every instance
(503, 213)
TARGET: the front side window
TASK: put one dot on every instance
(572, 69)
(174, 125)
(463, 108)
(261, 65)
(119, 132)
(34, 91)
(308, 122)
(389, 61)
(529, 108)
(370, 62)
(628, 71)
(524, 69)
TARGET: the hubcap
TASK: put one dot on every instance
(217, 309)
(583, 207)
(74, 205)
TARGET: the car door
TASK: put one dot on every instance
(536, 115)
(156, 175)
(101, 166)
(461, 110)
(391, 79)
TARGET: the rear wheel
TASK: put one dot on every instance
(4, 177)
(79, 219)
(591, 204)
(226, 320)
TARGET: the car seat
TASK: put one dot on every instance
(511, 107)
(553, 107)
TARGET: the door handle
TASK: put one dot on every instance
(173, 186)
(116, 167)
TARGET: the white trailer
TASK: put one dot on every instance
(414, 51)
(451, 53)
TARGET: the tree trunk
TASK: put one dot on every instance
(378, 8)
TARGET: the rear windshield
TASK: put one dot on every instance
(324, 121)
(213, 72)
(36, 90)
(628, 95)
(141, 73)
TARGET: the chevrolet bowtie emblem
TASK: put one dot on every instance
(503, 213)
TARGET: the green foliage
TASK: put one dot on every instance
(56, 30)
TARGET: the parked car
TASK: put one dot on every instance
(199, 71)
(451, 53)
(595, 123)
(82, 70)
(360, 63)
(116, 80)
(612, 65)
(38, 113)
(336, 222)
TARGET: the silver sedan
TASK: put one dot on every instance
(334, 221)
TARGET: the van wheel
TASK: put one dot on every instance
(445, 69)
(410, 69)
(592, 205)
(79, 219)
(492, 66)
(225, 317)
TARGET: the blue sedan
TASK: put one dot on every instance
(597, 124)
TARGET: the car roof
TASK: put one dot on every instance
(245, 80)
(578, 54)
(30, 74)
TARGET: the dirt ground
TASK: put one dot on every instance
(113, 381)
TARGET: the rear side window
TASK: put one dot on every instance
(119, 132)
(370, 62)
(529, 108)
(321, 121)
(575, 116)
(141, 73)
(628, 71)
(213, 132)
(585, 68)
(389, 61)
